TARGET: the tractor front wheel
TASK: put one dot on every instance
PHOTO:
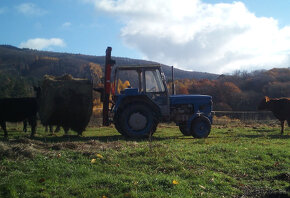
(137, 121)
(183, 129)
(200, 127)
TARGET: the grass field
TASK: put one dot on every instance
(234, 161)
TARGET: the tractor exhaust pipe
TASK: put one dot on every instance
(172, 77)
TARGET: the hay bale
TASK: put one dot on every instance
(66, 101)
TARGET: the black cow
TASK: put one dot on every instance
(280, 108)
(50, 129)
(17, 110)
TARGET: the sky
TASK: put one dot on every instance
(216, 36)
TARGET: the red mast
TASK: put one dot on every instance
(107, 86)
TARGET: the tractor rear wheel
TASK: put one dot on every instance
(200, 127)
(137, 121)
(117, 123)
(183, 129)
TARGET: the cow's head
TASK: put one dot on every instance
(264, 103)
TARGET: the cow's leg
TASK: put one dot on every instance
(25, 125)
(57, 129)
(32, 123)
(80, 132)
(282, 126)
(3, 125)
(51, 129)
(65, 130)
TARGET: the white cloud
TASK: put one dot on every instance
(30, 9)
(41, 43)
(66, 24)
(194, 35)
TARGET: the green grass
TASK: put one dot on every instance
(231, 162)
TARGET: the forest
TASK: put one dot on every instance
(241, 91)
(21, 69)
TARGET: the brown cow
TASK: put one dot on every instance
(280, 107)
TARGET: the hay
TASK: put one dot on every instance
(66, 101)
(19, 150)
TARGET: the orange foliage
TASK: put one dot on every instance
(96, 69)
(48, 58)
(122, 86)
(224, 93)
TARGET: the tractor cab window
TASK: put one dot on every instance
(128, 79)
(154, 81)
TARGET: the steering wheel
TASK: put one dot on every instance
(153, 89)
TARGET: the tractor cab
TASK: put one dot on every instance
(146, 81)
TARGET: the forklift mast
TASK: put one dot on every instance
(107, 86)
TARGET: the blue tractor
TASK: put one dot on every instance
(145, 101)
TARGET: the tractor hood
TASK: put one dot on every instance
(189, 99)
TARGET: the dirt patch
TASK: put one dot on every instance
(277, 195)
(263, 193)
(283, 176)
(4, 150)
(29, 148)
(56, 147)
(17, 150)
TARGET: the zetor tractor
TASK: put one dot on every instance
(137, 109)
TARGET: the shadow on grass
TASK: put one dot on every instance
(263, 130)
(76, 138)
(108, 138)
(113, 138)
(271, 136)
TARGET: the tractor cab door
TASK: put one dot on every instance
(155, 88)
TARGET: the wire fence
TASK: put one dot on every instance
(247, 117)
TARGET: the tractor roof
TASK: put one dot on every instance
(134, 67)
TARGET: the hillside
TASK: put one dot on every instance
(241, 91)
(34, 63)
